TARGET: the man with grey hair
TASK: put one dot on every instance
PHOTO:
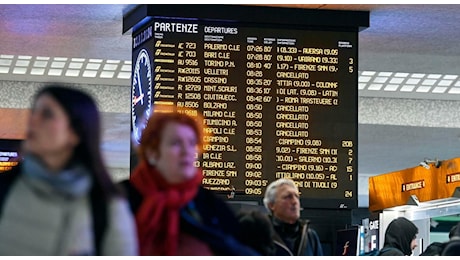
(293, 235)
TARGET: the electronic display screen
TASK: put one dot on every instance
(9, 154)
(277, 101)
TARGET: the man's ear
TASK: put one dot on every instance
(271, 206)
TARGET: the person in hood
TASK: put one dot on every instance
(400, 238)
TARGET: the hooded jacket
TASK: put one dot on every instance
(398, 236)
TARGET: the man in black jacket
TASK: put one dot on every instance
(293, 236)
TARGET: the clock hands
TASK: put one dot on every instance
(141, 95)
(137, 99)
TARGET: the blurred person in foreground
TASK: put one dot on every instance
(60, 200)
(293, 236)
(175, 215)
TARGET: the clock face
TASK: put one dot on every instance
(141, 93)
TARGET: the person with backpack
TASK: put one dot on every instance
(400, 238)
(60, 200)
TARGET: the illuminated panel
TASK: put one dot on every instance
(278, 102)
(9, 154)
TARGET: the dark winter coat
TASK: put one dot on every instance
(296, 239)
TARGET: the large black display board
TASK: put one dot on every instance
(278, 99)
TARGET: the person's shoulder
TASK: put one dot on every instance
(125, 184)
(212, 207)
(118, 201)
(209, 197)
(209, 202)
(390, 251)
(133, 196)
(119, 208)
(306, 222)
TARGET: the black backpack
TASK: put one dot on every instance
(98, 205)
(451, 248)
(434, 249)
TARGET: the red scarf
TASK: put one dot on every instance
(157, 219)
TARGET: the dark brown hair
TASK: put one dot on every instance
(85, 120)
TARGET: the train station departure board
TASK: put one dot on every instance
(278, 101)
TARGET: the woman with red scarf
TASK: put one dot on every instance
(175, 215)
